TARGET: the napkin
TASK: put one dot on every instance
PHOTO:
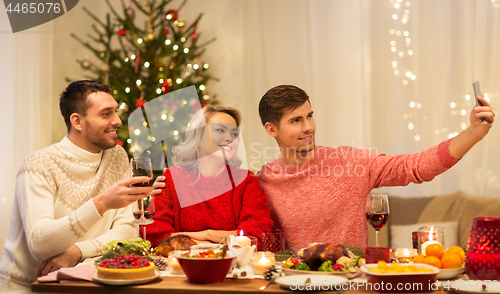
(78, 273)
(244, 253)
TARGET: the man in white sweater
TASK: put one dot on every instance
(72, 197)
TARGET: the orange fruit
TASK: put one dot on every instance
(435, 249)
(419, 259)
(458, 251)
(451, 260)
(432, 260)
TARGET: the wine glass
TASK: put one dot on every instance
(144, 208)
(377, 212)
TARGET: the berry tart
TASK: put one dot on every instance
(130, 267)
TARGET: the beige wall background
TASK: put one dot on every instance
(339, 51)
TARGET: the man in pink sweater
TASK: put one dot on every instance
(339, 179)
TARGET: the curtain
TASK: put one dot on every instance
(26, 73)
(344, 53)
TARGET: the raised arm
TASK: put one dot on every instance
(462, 143)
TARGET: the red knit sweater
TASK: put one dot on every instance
(325, 200)
(242, 208)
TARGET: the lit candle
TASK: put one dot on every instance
(405, 255)
(243, 240)
(261, 261)
(173, 264)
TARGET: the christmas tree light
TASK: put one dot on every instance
(140, 63)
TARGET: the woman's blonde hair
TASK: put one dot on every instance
(185, 154)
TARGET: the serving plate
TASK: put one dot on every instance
(317, 282)
(125, 282)
(447, 274)
(291, 272)
(402, 282)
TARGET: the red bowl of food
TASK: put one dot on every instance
(203, 269)
(412, 278)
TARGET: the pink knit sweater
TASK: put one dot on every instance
(324, 200)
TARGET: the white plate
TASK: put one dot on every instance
(318, 282)
(205, 246)
(447, 274)
(290, 272)
(472, 286)
(125, 282)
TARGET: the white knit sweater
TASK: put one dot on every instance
(53, 209)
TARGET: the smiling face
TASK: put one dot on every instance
(221, 138)
(295, 132)
(98, 129)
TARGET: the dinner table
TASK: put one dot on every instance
(180, 285)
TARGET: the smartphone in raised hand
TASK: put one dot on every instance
(477, 92)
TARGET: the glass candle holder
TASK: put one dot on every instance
(429, 235)
(273, 240)
(261, 261)
(414, 240)
(254, 241)
(173, 264)
(405, 255)
(482, 261)
(376, 254)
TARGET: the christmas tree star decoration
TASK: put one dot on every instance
(141, 62)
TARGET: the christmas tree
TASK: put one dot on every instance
(140, 64)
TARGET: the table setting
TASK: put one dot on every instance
(235, 262)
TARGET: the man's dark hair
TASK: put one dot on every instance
(74, 98)
(279, 99)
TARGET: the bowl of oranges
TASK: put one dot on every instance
(450, 261)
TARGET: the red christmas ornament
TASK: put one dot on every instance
(165, 32)
(122, 31)
(140, 102)
(173, 15)
(165, 88)
(204, 104)
(119, 142)
(193, 36)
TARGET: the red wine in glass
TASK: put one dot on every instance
(144, 207)
(377, 212)
(377, 219)
(144, 184)
(147, 214)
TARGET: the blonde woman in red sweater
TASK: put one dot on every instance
(205, 195)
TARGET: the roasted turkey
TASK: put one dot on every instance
(177, 242)
(319, 253)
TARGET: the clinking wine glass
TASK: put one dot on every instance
(144, 208)
(377, 212)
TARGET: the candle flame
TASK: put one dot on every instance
(241, 233)
(263, 260)
(431, 234)
(406, 252)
